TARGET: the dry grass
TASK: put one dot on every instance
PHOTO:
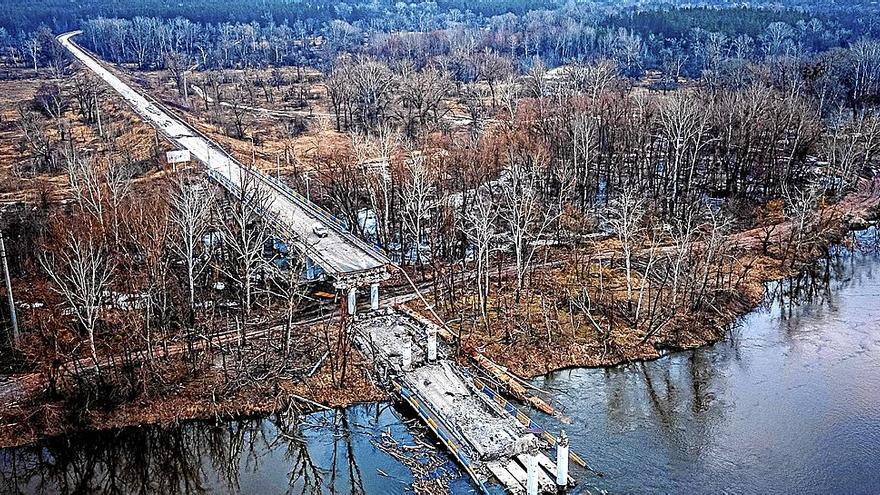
(126, 133)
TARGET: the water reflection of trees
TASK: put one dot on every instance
(143, 460)
(193, 458)
(819, 284)
(673, 396)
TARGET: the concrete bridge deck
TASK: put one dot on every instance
(349, 261)
(495, 444)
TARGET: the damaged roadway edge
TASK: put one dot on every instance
(490, 443)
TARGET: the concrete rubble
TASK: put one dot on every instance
(491, 437)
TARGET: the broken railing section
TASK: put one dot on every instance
(561, 443)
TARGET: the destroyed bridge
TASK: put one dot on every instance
(496, 444)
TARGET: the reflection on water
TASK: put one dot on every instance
(331, 452)
(789, 403)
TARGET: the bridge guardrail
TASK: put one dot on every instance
(316, 210)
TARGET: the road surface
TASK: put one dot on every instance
(346, 259)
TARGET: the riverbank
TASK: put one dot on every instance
(788, 402)
(533, 336)
(189, 398)
(27, 420)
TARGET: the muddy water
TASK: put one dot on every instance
(789, 403)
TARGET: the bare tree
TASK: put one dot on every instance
(84, 180)
(416, 195)
(117, 178)
(292, 290)
(33, 47)
(421, 96)
(625, 215)
(191, 204)
(801, 210)
(81, 276)
(527, 217)
(684, 126)
(592, 79)
(245, 231)
(372, 84)
(479, 225)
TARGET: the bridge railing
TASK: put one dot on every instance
(316, 210)
(321, 213)
(289, 193)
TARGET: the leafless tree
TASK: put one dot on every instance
(291, 289)
(81, 273)
(625, 215)
(417, 198)
(684, 126)
(801, 210)
(866, 55)
(526, 216)
(84, 179)
(191, 204)
(117, 177)
(592, 79)
(480, 226)
(421, 97)
(39, 144)
(245, 231)
(34, 48)
(372, 84)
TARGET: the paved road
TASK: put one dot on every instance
(338, 253)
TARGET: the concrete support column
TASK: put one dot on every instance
(407, 355)
(532, 472)
(352, 301)
(374, 297)
(310, 269)
(562, 461)
(432, 345)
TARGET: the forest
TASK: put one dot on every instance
(567, 183)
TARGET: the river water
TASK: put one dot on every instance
(788, 403)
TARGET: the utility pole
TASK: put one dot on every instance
(12, 315)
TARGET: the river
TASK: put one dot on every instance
(788, 403)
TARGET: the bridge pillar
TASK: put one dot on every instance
(374, 297)
(310, 269)
(562, 462)
(532, 471)
(406, 359)
(432, 345)
(352, 301)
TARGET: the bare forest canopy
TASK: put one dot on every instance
(679, 41)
